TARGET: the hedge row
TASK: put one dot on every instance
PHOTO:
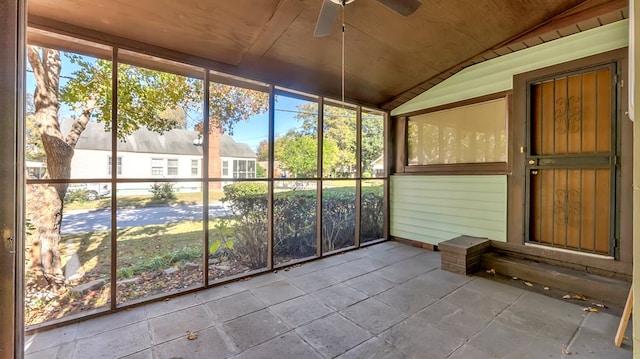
(294, 215)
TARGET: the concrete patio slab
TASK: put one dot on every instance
(394, 303)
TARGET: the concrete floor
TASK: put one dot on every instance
(386, 301)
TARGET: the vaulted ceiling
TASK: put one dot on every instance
(389, 58)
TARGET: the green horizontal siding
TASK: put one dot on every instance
(432, 209)
(496, 75)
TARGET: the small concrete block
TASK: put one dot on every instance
(86, 287)
(463, 251)
(464, 245)
(171, 270)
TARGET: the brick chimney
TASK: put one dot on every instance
(215, 164)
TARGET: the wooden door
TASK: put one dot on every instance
(571, 161)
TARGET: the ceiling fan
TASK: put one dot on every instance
(331, 8)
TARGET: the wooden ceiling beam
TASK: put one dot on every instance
(587, 10)
(74, 31)
(286, 12)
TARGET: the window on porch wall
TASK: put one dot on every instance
(475, 133)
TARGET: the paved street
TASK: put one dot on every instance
(89, 221)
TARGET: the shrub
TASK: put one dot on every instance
(163, 191)
(294, 215)
(79, 195)
(372, 213)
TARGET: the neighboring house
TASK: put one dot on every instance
(378, 167)
(149, 155)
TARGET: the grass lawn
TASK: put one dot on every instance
(140, 248)
(144, 200)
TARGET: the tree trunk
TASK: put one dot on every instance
(44, 207)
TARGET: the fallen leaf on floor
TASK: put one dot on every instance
(590, 309)
(287, 269)
(546, 288)
(599, 305)
(566, 296)
(491, 271)
(528, 284)
(192, 336)
(580, 297)
(566, 352)
(167, 299)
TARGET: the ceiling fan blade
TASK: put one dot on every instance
(326, 19)
(402, 7)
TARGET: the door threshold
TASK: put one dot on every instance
(564, 250)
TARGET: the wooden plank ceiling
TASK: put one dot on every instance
(389, 59)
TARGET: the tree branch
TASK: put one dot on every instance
(80, 124)
(36, 65)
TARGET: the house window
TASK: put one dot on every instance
(194, 167)
(118, 165)
(172, 167)
(244, 169)
(157, 166)
(225, 168)
(475, 133)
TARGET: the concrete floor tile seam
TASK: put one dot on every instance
(270, 303)
(493, 320)
(293, 327)
(172, 310)
(231, 345)
(574, 337)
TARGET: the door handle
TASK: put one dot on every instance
(532, 162)
(5, 234)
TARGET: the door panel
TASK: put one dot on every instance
(571, 161)
(11, 30)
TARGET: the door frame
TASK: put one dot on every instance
(516, 181)
(12, 40)
(614, 198)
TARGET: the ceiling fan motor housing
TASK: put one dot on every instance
(339, 2)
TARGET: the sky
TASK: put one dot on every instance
(250, 132)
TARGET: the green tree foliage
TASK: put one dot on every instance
(372, 140)
(297, 154)
(340, 138)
